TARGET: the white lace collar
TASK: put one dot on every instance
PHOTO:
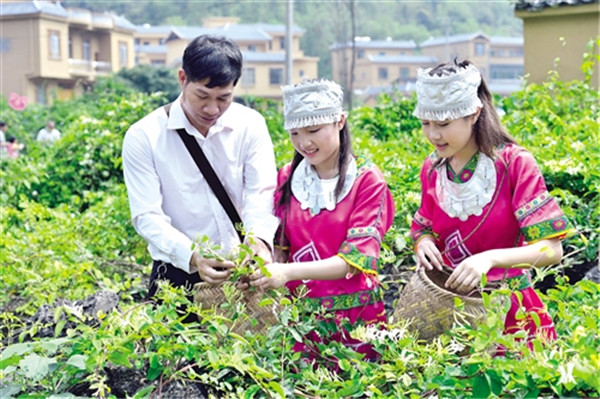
(316, 194)
(465, 199)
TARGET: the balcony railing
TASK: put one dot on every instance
(87, 68)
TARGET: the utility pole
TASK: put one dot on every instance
(289, 42)
(447, 34)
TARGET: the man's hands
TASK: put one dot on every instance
(212, 271)
(259, 248)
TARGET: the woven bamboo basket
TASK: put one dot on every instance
(255, 318)
(430, 306)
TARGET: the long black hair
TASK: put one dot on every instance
(489, 131)
(343, 160)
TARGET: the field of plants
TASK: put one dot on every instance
(68, 250)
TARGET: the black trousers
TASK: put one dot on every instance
(177, 277)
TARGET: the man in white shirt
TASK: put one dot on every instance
(171, 202)
(49, 133)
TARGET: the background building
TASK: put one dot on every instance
(560, 30)
(48, 51)
(262, 45)
(385, 65)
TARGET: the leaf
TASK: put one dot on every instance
(36, 367)
(16, 349)
(344, 364)
(481, 386)
(496, 384)
(297, 336)
(274, 385)
(9, 361)
(77, 361)
(59, 327)
(351, 388)
(251, 391)
(265, 302)
(120, 356)
(8, 390)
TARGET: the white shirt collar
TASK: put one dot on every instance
(178, 120)
(313, 194)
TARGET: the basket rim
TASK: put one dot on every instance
(440, 290)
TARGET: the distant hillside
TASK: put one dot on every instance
(328, 22)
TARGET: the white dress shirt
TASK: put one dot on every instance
(171, 202)
(48, 135)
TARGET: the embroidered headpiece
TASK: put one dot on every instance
(312, 102)
(447, 97)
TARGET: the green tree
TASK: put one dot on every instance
(152, 79)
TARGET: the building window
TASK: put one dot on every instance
(301, 73)
(383, 73)
(248, 77)
(512, 72)
(87, 52)
(252, 48)
(360, 54)
(70, 48)
(382, 53)
(479, 48)
(54, 44)
(123, 54)
(515, 53)
(275, 76)
(404, 73)
(282, 43)
(4, 45)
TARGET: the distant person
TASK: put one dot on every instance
(3, 142)
(171, 201)
(49, 133)
(485, 208)
(13, 147)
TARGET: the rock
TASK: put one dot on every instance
(103, 300)
(594, 274)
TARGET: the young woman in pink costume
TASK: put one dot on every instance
(484, 207)
(334, 209)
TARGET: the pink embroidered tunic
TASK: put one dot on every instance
(522, 212)
(353, 230)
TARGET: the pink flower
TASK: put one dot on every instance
(17, 102)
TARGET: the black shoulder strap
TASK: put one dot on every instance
(211, 177)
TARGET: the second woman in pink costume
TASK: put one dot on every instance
(334, 209)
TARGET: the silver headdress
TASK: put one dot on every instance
(312, 102)
(447, 97)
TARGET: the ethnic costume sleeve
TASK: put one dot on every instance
(422, 223)
(371, 216)
(538, 215)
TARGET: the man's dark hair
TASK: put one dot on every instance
(2, 123)
(215, 58)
